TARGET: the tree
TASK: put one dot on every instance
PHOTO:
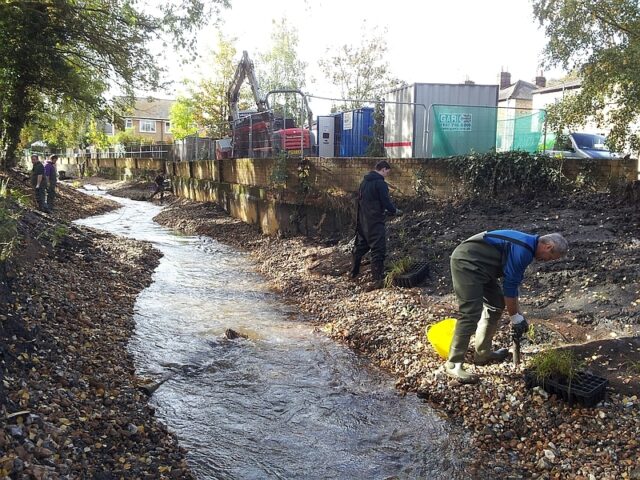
(211, 107)
(600, 41)
(64, 50)
(182, 117)
(360, 72)
(281, 69)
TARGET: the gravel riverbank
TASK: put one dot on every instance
(72, 406)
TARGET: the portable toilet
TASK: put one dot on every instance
(356, 132)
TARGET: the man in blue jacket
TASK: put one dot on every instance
(476, 265)
(373, 202)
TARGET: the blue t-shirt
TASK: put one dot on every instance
(518, 251)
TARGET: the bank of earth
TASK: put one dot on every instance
(71, 403)
(589, 302)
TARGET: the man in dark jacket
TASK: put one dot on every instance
(51, 180)
(476, 265)
(38, 182)
(373, 201)
(159, 181)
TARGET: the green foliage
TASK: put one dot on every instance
(281, 68)
(208, 98)
(55, 234)
(97, 137)
(376, 142)
(125, 137)
(182, 117)
(423, 184)
(587, 177)
(597, 41)
(8, 222)
(506, 173)
(63, 52)
(361, 72)
(556, 363)
(399, 267)
(278, 175)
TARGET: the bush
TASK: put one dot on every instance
(507, 173)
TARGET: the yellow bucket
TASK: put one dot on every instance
(440, 335)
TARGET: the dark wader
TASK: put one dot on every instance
(475, 268)
(370, 235)
(51, 190)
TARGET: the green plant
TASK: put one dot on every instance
(556, 363)
(399, 267)
(634, 367)
(8, 231)
(505, 173)
(278, 175)
(423, 184)
(531, 333)
(55, 234)
(587, 177)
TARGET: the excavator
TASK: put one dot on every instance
(261, 134)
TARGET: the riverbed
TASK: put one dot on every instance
(282, 400)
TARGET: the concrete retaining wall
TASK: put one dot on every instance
(322, 201)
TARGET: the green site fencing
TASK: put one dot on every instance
(461, 129)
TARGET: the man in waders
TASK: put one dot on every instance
(373, 201)
(51, 180)
(476, 265)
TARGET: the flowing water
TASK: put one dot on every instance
(285, 402)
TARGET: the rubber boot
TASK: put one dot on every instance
(485, 331)
(355, 266)
(456, 371)
(377, 272)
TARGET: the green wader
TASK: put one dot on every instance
(475, 268)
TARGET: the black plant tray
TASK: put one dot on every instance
(584, 388)
(414, 276)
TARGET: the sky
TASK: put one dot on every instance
(428, 41)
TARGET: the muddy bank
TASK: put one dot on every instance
(587, 297)
(72, 405)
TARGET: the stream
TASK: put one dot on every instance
(283, 403)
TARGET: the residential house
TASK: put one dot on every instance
(518, 119)
(544, 97)
(149, 119)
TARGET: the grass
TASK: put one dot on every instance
(556, 363)
(398, 267)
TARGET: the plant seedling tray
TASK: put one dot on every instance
(414, 276)
(584, 388)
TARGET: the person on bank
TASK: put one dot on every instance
(476, 265)
(51, 180)
(373, 202)
(38, 182)
(159, 181)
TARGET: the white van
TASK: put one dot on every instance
(579, 145)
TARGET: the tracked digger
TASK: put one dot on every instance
(262, 134)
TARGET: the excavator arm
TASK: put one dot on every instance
(244, 71)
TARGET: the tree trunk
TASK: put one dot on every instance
(19, 108)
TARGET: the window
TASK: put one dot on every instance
(167, 127)
(128, 123)
(147, 126)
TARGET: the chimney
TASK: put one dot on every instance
(541, 81)
(505, 80)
